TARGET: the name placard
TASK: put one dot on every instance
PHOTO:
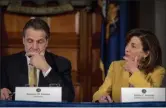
(142, 94)
(41, 94)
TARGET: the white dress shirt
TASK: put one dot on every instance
(44, 73)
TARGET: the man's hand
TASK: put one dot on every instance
(37, 60)
(105, 99)
(5, 94)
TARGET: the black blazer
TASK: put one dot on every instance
(14, 72)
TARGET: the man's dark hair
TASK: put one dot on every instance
(37, 24)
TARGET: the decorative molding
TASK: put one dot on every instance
(93, 22)
(96, 40)
(57, 40)
(77, 17)
(40, 10)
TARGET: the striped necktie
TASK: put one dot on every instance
(32, 76)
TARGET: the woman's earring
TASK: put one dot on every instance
(142, 62)
(143, 59)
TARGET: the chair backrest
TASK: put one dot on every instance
(78, 92)
(164, 82)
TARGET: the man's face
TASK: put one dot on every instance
(35, 41)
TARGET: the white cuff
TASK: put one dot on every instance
(47, 72)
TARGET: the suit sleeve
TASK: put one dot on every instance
(154, 79)
(63, 77)
(106, 87)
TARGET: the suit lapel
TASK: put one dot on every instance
(49, 58)
(50, 61)
(24, 69)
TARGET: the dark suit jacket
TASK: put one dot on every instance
(14, 72)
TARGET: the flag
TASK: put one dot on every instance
(113, 33)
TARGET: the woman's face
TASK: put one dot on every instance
(134, 49)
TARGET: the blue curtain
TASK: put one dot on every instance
(113, 46)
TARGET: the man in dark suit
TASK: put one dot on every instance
(50, 68)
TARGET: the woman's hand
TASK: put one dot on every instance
(131, 65)
(105, 99)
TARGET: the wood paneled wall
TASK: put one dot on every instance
(75, 36)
